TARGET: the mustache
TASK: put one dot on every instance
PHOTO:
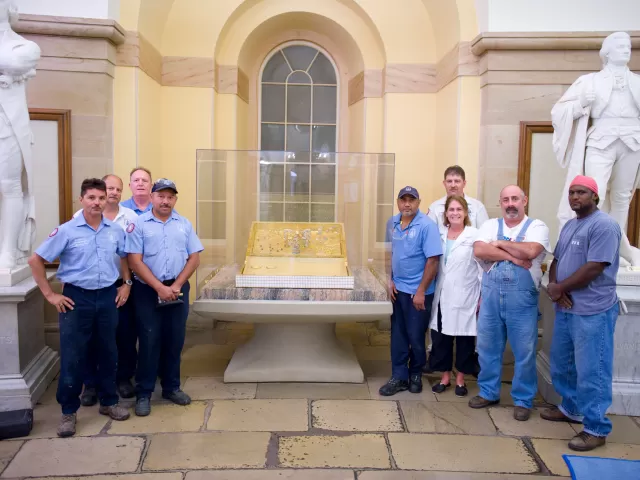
(512, 210)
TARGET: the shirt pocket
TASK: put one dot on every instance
(577, 245)
(411, 243)
(107, 245)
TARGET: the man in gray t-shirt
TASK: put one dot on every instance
(582, 283)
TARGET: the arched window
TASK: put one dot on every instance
(298, 135)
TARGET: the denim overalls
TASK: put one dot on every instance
(509, 309)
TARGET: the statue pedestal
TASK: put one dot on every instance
(13, 276)
(27, 365)
(626, 360)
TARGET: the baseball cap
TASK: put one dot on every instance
(164, 184)
(408, 191)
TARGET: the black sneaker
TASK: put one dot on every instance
(126, 389)
(461, 391)
(89, 397)
(440, 387)
(143, 406)
(415, 383)
(393, 386)
(178, 397)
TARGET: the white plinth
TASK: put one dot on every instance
(11, 277)
(27, 365)
(294, 353)
(626, 360)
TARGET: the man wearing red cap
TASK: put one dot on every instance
(582, 283)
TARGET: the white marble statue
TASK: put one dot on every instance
(18, 59)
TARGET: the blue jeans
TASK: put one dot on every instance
(509, 310)
(161, 333)
(582, 367)
(126, 341)
(408, 335)
(94, 314)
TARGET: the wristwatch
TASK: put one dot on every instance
(128, 282)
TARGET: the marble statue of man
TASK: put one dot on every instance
(597, 133)
(18, 59)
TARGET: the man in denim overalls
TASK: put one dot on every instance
(511, 250)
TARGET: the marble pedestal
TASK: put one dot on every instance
(626, 361)
(27, 365)
(13, 276)
(294, 333)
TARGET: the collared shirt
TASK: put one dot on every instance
(124, 217)
(595, 238)
(86, 255)
(410, 249)
(537, 232)
(165, 246)
(477, 212)
(131, 205)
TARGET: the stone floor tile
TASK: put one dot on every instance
(373, 353)
(625, 430)
(164, 418)
(314, 391)
(376, 382)
(396, 475)
(259, 416)
(199, 451)
(214, 388)
(8, 449)
(135, 476)
(47, 417)
(222, 325)
(239, 337)
(551, 452)
(271, 475)
(450, 396)
(534, 427)
(76, 456)
(351, 451)
(356, 416)
(205, 361)
(376, 368)
(468, 453)
(441, 417)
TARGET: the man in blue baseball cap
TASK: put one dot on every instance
(415, 254)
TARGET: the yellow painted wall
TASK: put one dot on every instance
(469, 132)
(242, 125)
(125, 125)
(374, 125)
(150, 115)
(356, 141)
(410, 125)
(446, 146)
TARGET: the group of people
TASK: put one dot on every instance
(125, 300)
(467, 277)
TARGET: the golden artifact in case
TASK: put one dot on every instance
(296, 255)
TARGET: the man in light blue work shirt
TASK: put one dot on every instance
(164, 251)
(140, 185)
(415, 254)
(88, 305)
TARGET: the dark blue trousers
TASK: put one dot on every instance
(161, 332)
(408, 334)
(94, 316)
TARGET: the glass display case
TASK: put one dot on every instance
(273, 219)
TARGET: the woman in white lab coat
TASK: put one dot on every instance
(455, 302)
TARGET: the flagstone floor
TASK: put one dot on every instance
(302, 431)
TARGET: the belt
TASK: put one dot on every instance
(615, 122)
(168, 283)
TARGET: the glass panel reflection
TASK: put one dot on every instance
(324, 104)
(272, 137)
(383, 214)
(212, 220)
(323, 183)
(276, 69)
(296, 212)
(298, 104)
(271, 212)
(272, 183)
(322, 71)
(297, 182)
(300, 56)
(273, 103)
(322, 213)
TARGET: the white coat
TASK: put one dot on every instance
(458, 286)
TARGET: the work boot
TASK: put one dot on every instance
(126, 389)
(89, 397)
(554, 414)
(479, 402)
(67, 426)
(415, 383)
(393, 386)
(584, 442)
(178, 397)
(143, 406)
(116, 412)
(521, 414)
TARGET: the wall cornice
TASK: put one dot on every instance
(70, 27)
(543, 41)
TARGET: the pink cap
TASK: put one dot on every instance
(584, 181)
